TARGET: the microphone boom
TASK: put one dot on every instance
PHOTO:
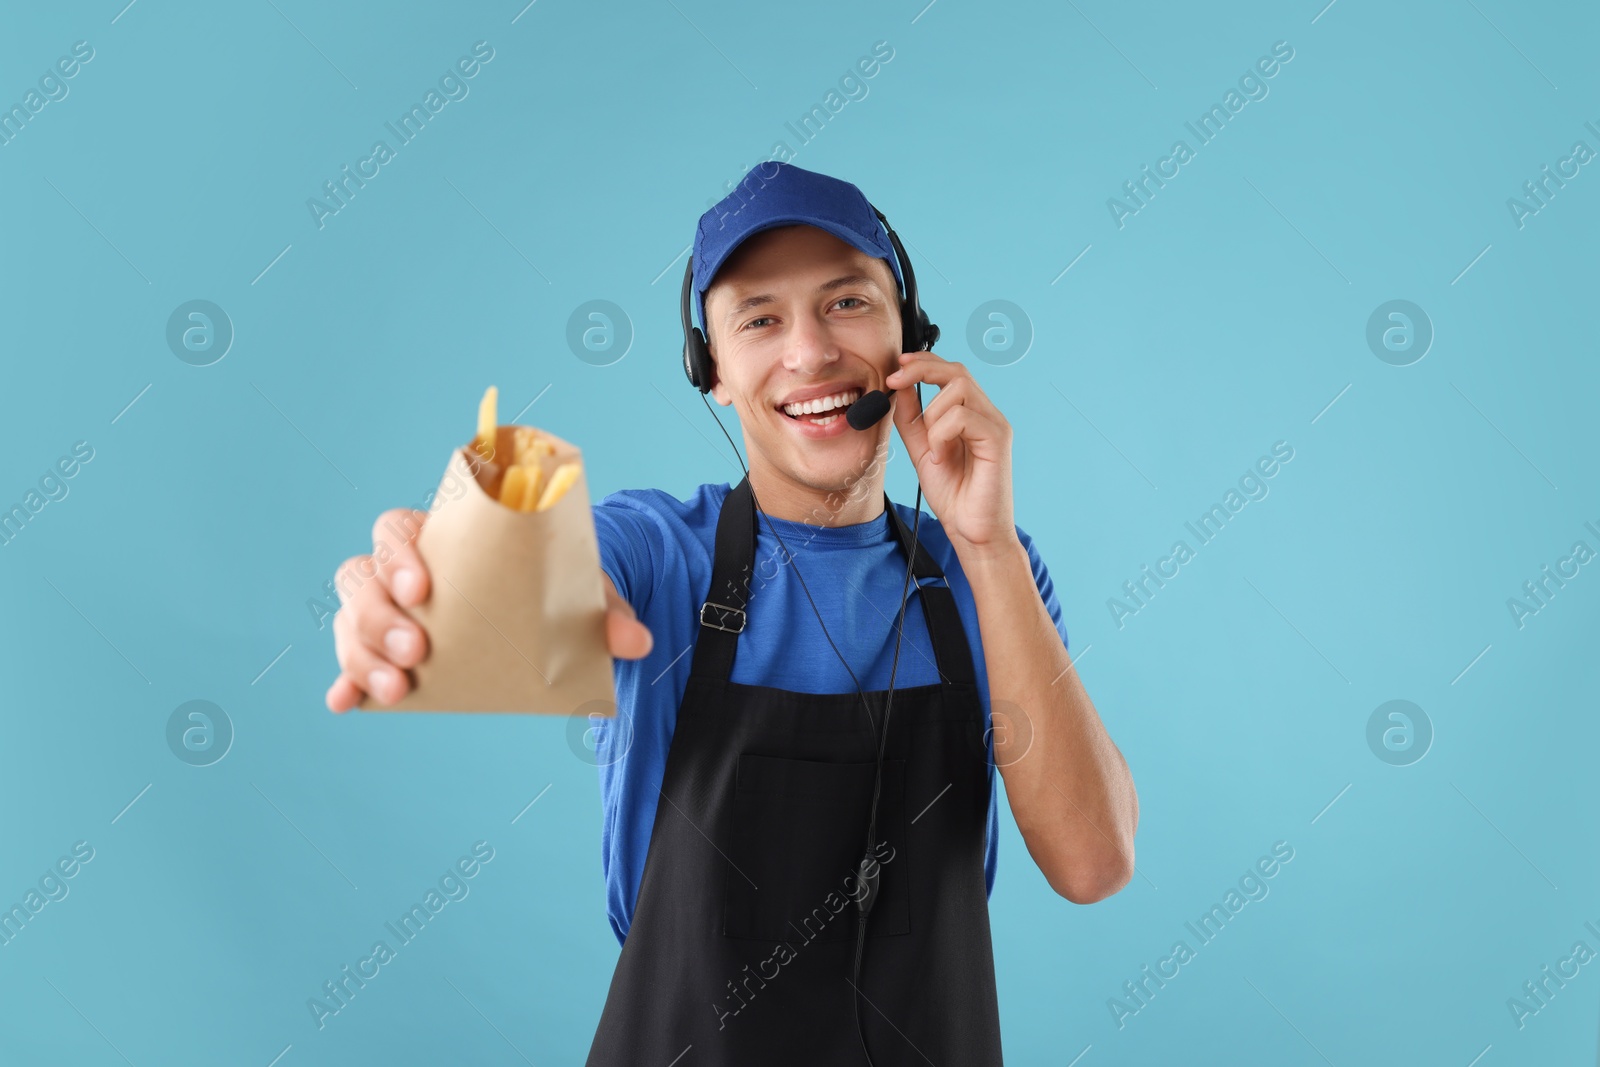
(869, 410)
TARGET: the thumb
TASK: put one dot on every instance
(626, 636)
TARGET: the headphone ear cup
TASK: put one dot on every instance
(697, 360)
(917, 333)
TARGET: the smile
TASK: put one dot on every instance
(822, 410)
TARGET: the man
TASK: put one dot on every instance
(754, 629)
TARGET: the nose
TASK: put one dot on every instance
(810, 346)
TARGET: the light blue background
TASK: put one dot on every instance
(1223, 317)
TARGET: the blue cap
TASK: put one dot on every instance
(780, 194)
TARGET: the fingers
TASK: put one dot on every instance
(913, 429)
(953, 379)
(374, 639)
(626, 636)
(946, 431)
(364, 668)
(398, 564)
(343, 694)
(384, 628)
(979, 434)
(925, 367)
(961, 410)
(949, 397)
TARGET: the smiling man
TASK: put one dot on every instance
(754, 629)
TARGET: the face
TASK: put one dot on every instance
(803, 324)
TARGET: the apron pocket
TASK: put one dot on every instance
(798, 831)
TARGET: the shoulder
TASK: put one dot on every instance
(648, 535)
(931, 533)
(661, 506)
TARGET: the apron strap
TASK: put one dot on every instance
(723, 613)
(950, 648)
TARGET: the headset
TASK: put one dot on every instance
(917, 334)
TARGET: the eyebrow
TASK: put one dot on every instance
(759, 299)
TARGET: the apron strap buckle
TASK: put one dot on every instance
(722, 615)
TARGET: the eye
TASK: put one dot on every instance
(841, 300)
(753, 322)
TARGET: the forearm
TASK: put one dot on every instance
(1069, 787)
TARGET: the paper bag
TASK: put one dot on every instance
(515, 614)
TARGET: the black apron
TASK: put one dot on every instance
(744, 932)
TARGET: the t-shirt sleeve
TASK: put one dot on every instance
(1047, 590)
(630, 544)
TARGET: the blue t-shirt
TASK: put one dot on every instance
(658, 552)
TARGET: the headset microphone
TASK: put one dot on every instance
(869, 410)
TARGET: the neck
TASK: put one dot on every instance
(858, 499)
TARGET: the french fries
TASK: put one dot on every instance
(523, 486)
(560, 482)
(514, 487)
(530, 446)
(487, 421)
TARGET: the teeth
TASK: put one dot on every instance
(822, 403)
